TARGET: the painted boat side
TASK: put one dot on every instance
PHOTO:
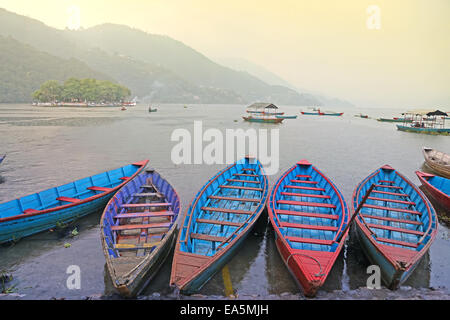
(393, 120)
(441, 131)
(263, 120)
(443, 198)
(16, 227)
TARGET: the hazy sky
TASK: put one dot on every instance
(320, 45)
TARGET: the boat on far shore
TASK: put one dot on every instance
(394, 120)
(320, 113)
(262, 119)
(286, 117)
(364, 116)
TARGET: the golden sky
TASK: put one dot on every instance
(321, 45)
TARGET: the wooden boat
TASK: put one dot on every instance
(394, 120)
(217, 222)
(286, 117)
(138, 231)
(438, 161)
(320, 113)
(309, 215)
(262, 119)
(45, 210)
(440, 131)
(438, 187)
(396, 225)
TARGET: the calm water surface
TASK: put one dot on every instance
(47, 147)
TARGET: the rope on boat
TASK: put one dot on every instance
(320, 274)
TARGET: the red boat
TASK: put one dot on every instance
(437, 187)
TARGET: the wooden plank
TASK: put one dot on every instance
(306, 195)
(207, 237)
(308, 214)
(310, 240)
(248, 169)
(126, 246)
(243, 181)
(402, 243)
(245, 175)
(67, 199)
(391, 209)
(392, 200)
(140, 226)
(145, 205)
(307, 226)
(151, 194)
(391, 193)
(307, 204)
(240, 188)
(402, 230)
(222, 223)
(94, 188)
(303, 176)
(386, 181)
(392, 219)
(213, 209)
(144, 214)
(234, 199)
(304, 188)
(304, 181)
(389, 187)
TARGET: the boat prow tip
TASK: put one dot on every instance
(304, 162)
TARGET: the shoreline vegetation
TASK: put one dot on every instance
(80, 93)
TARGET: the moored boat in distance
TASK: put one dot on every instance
(425, 121)
(437, 187)
(309, 216)
(438, 161)
(263, 119)
(364, 116)
(45, 210)
(396, 225)
(286, 117)
(320, 113)
(138, 231)
(217, 223)
(262, 108)
(394, 120)
(150, 109)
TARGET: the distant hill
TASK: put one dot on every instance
(154, 67)
(23, 69)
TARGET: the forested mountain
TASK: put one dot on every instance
(156, 68)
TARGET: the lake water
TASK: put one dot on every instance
(47, 147)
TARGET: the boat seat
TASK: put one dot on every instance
(307, 204)
(240, 187)
(390, 193)
(304, 181)
(304, 188)
(245, 175)
(224, 210)
(307, 195)
(144, 214)
(310, 240)
(150, 194)
(124, 178)
(147, 186)
(234, 199)
(248, 169)
(386, 181)
(28, 211)
(308, 214)
(144, 205)
(391, 209)
(94, 188)
(392, 200)
(390, 187)
(222, 223)
(391, 219)
(401, 243)
(207, 237)
(395, 229)
(303, 176)
(67, 199)
(243, 181)
(126, 246)
(140, 226)
(307, 226)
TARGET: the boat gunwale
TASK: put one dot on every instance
(421, 175)
(141, 164)
(377, 245)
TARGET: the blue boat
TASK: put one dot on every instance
(138, 229)
(286, 117)
(309, 216)
(396, 225)
(217, 222)
(47, 209)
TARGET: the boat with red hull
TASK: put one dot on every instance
(310, 218)
(396, 225)
(437, 187)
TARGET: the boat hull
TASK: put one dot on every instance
(286, 117)
(263, 120)
(393, 120)
(435, 131)
(442, 198)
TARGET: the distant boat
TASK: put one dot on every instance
(398, 224)
(129, 103)
(2, 158)
(310, 217)
(286, 117)
(426, 121)
(394, 120)
(217, 223)
(263, 119)
(364, 116)
(439, 131)
(438, 161)
(438, 187)
(262, 108)
(138, 231)
(320, 113)
(45, 210)
(123, 108)
(150, 109)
